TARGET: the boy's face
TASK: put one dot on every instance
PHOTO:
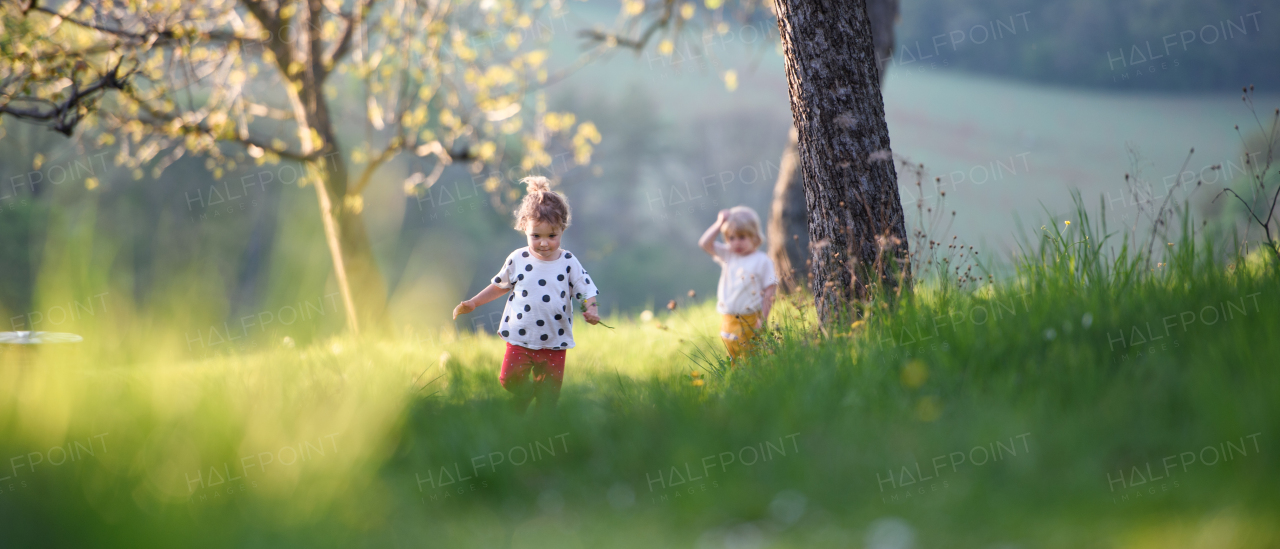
(740, 243)
(544, 240)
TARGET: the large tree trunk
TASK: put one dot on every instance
(364, 292)
(789, 219)
(789, 223)
(360, 282)
(856, 227)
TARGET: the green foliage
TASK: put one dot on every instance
(445, 81)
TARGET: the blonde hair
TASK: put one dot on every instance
(743, 220)
(542, 205)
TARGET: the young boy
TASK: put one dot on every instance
(747, 281)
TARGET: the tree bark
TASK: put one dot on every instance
(789, 218)
(856, 227)
(360, 282)
(789, 223)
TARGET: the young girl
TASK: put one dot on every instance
(747, 281)
(538, 321)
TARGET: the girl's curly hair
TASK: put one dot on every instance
(542, 205)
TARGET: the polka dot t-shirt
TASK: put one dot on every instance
(539, 311)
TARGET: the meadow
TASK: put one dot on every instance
(1086, 401)
(1088, 394)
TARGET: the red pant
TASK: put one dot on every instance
(544, 366)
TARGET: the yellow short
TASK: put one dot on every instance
(739, 334)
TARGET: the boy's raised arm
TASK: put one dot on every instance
(708, 239)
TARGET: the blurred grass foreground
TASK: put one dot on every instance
(1087, 401)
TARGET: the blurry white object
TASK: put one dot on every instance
(32, 338)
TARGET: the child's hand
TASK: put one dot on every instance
(759, 323)
(463, 308)
(590, 315)
(722, 216)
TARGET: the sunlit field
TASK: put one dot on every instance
(239, 241)
(1084, 402)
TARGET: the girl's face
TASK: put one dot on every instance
(544, 240)
(740, 243)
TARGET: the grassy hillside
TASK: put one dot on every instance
(1086, 402)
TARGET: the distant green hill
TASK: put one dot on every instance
(1127, 44)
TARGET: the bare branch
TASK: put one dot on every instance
(344, 44)
(637, 44)
(66, 114)
(367, 175)
(275, 27)
(1246, 204)
(116, 32)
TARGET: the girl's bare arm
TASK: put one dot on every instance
(490, 293)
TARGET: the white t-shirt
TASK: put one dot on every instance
(539, 311)
(743, 279)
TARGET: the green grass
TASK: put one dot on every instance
(1044, 369)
